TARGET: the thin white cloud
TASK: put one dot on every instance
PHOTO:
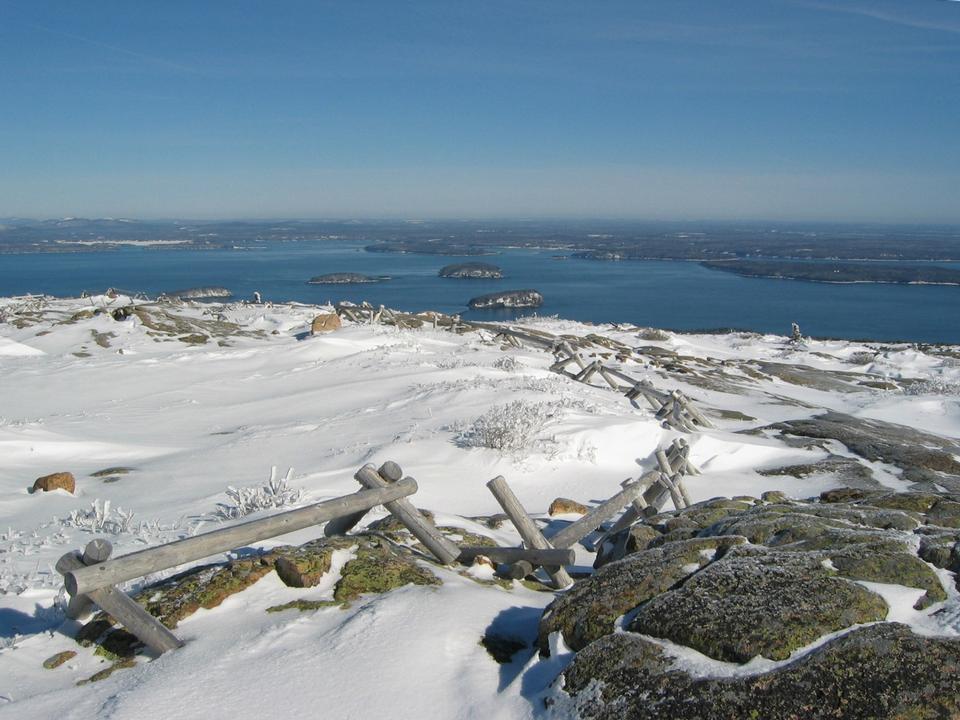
(149, 59)
(887, 15)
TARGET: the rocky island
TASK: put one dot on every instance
(507, 299)
(200, 293)
(345, 279)
(471, 270)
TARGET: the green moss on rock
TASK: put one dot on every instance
(378, 569)
(757, 602)
(588, 610)
(881, 671)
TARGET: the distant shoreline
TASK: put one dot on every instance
(840, 273)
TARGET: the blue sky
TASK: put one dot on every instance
(679, 109)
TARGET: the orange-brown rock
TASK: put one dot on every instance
(566, 506)
(56, 481)
(327, 322)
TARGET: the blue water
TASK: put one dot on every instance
(679, 295)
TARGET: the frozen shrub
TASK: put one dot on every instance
(507, 363)
(933, 387)
(861, 357)
(102, 518)
(275, 493)
(511, 428)
(653, 334)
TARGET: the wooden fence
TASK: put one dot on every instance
(91, 577)
(674, 409)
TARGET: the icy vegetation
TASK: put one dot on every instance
(273, 494)
(512, 428)
(160, 406)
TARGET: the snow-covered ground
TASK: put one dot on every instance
(189, 419)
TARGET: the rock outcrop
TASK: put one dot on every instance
(324, 323)
(800, 583)
(55, 481)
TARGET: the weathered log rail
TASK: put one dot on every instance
(91, 577)
(673, 409)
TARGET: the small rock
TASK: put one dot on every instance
(55, 481)
(59, 659)
(566, 506)
(774, 496)
(484, 561)
(327, 322)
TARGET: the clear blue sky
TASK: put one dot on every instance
(792, 109)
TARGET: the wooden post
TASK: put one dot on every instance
(576, 531)
(344, 524)
(636, 509)
(530, 533)
(585, 374)
(424, 530)
(534, 556)
(605, 374)
(83, 580)
(119, 605)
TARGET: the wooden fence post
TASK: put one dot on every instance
(530, 533)
(444, 550)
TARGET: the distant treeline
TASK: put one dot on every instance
(838, 272)
(589, 239)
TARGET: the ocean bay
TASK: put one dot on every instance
(661, 293)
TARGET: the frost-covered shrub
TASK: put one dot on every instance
(509, 428)
(933, 387)
(507, 363)
(861, 357)
(275, 493)
(653, 334)
(102, 518)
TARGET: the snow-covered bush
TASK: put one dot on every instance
(510, 428)
(275, 493)
(933, 387)
(653, 334)
(102, 518)
(861, 357)
(507, 363)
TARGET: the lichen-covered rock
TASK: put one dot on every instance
(916, 502)
(59, 659)
(566, 506)
(848, 471)
(378, 569)
(206, 587)
(753, 602)
(55, 481)
(945, 513)
(925, 458)
(629, 540)
(880, 671)
(941, 550)
(897, 568)
(304, 566)
(587, 610)
(771, 524)
(324, 323)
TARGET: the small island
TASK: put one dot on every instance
(840, 272)
(507, 299)
(345, 279)
(200, 293)
(472, 270)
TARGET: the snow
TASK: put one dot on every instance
(192, 420)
